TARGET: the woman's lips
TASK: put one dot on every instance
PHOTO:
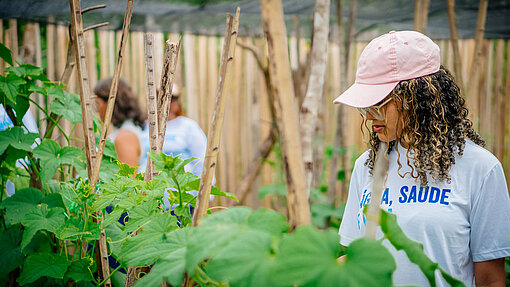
(377, 128)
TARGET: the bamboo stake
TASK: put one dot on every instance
(418, 7)
(454, 38)
(86, 106)
(88, 128)
(215, 127)
(310, 107)
(507, 113)
(13, 40)
(190, 71)
(166, 85)
(339, 141)
(152, 112)
(113, 92)
(152, 104)
(281, 83)
(475, 63)
(498, 114)
(380, 172)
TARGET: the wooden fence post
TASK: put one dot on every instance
(215, 127)
(310, 107)
(281, 83)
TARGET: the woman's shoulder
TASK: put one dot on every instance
(477, 156)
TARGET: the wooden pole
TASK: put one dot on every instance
(13, 40)
(475, 63)
(88, 128)
(152, 103)
(281, 83)
(310, 107)
(339, 141)
(454, 38)
(113, 92)
(86, 107)
(166, 85)
(418, 7)
(215, 127)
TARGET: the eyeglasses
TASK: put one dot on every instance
(374, 110)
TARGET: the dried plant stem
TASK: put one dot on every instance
(216, 123)
(311, 103)
(113, 90)
(281, 83)
(379, 176)
(152, 103)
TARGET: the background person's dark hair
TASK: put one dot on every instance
(126, 105)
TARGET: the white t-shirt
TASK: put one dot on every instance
(183, 136)
(458, 223)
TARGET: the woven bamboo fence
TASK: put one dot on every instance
(248, 118)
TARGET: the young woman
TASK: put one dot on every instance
(127, 119)
(446, 190)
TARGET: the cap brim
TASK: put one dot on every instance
(362, 96)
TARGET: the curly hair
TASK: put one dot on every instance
(434, 126)
(126, 105)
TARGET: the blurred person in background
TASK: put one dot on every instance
(127, 120)
(447, 191)
(183, 137)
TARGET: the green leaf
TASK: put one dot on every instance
(413, 249)
(274, 189)
(195, 184)
(246, 261)
(25, 70)
(68, 107)
(9, 87)
(6, 54)
(43, 264)
(21, 107)
(218, 230)
(133, 251)
(10, 252)
(48, 152)
(41, 218)
(17, 138)
(140, 215)
(20, 203)
(68, 154)
(81, 270)
(125, 169)
(113, 216)
(56, 92)
(54, 200)
(308, 257)
(170, 266)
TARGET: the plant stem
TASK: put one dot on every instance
(111, 273)
(55, 122)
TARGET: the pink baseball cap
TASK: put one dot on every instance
(387, 60)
